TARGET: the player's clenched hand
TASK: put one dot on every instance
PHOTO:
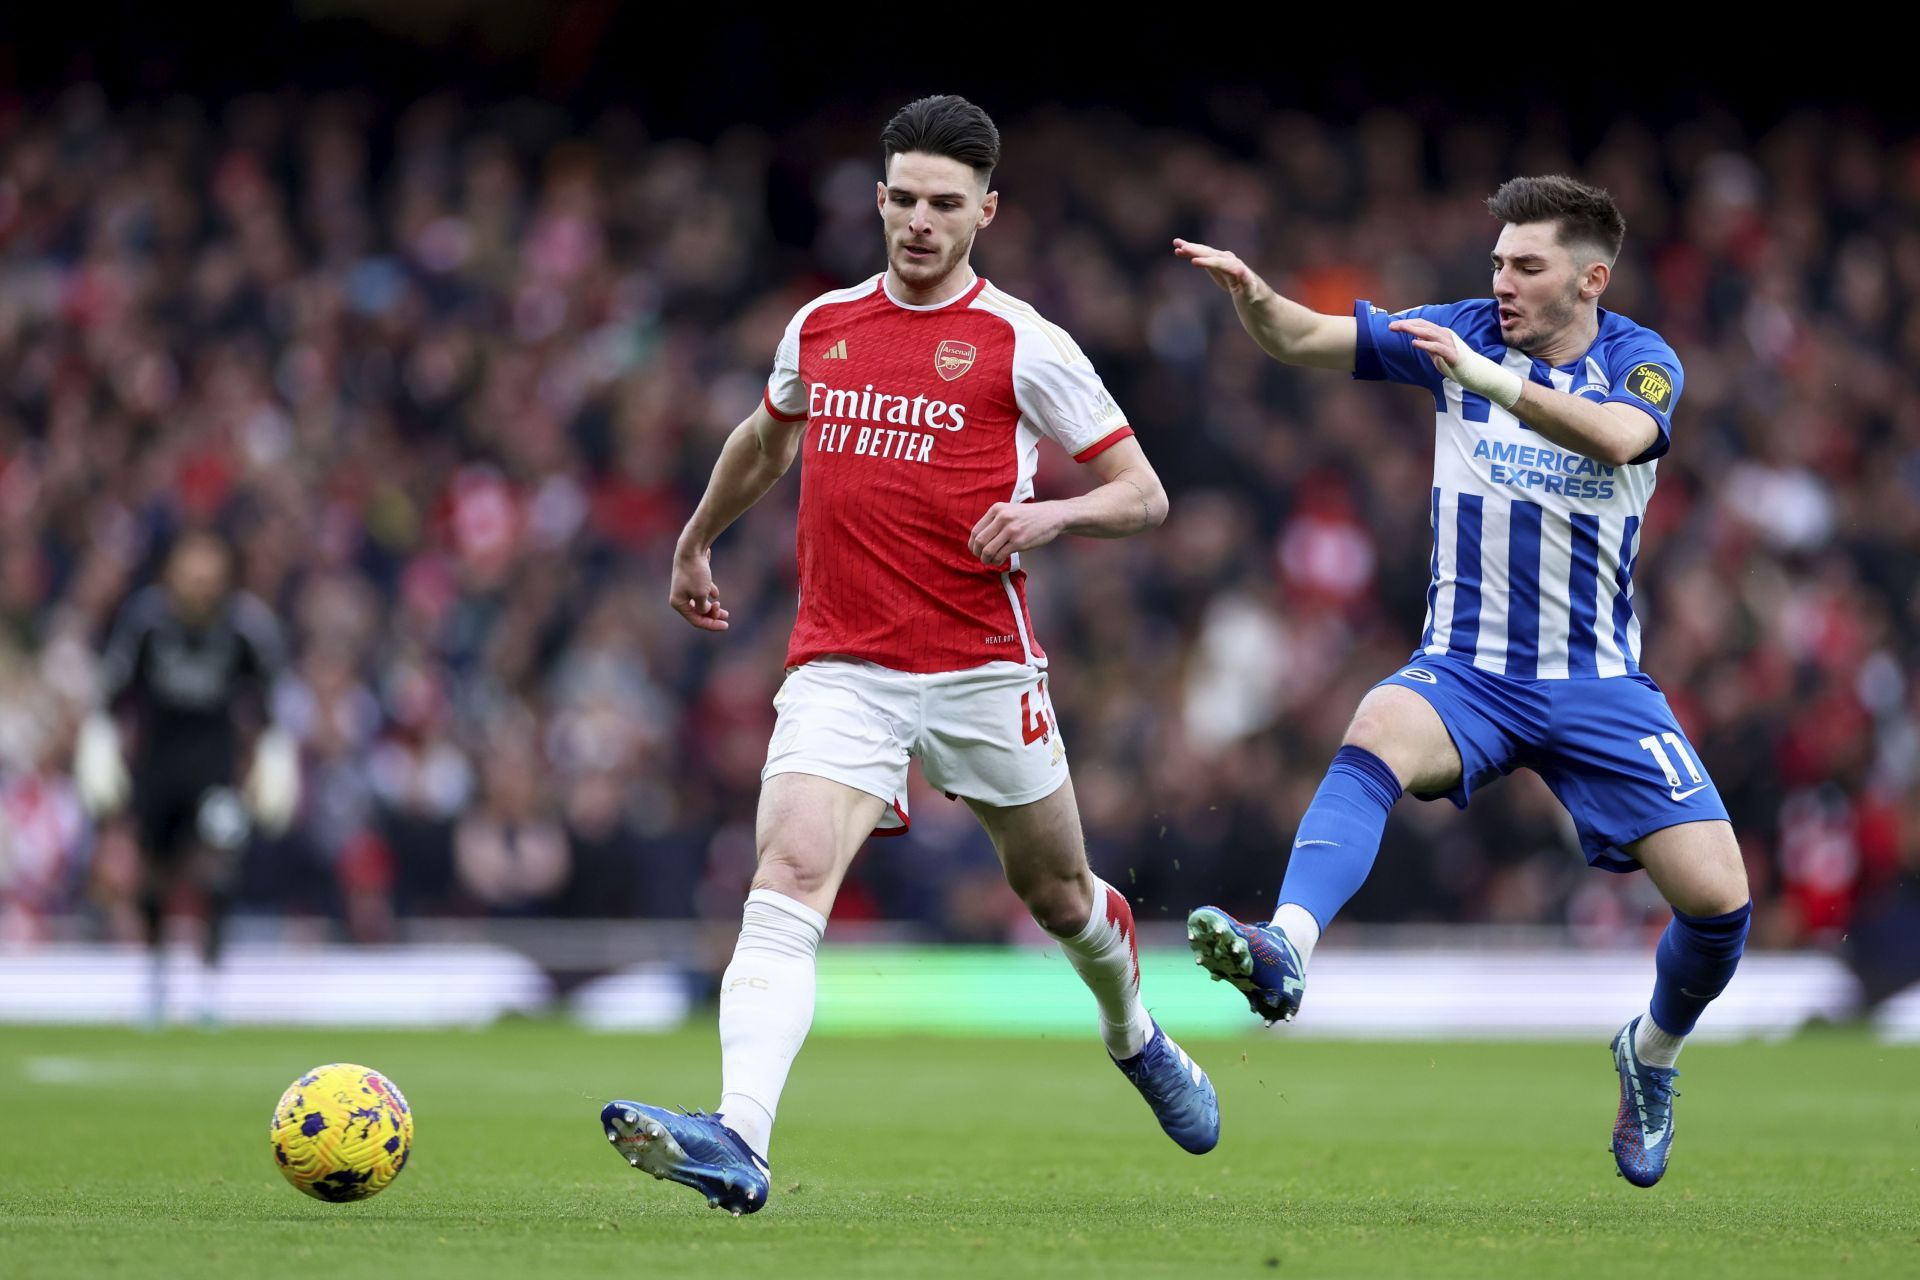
(1231, 274)
(693, 594)
(1013, 526)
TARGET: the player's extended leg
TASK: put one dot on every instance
(809, 829)
(157, 828)
(1041, 846)
(221, 831)
(1397, 742)
(155, 886)
(1698, 869)
(215, 895)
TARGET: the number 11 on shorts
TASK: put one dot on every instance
(1652, 743)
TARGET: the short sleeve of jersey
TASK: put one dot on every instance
(1649, 378)
(786, 395)
(1381, 355)
(1061, 395)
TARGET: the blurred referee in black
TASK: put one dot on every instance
(190, 667)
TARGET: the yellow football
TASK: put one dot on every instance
(342, 1132)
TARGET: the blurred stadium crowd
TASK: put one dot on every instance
(451, 376)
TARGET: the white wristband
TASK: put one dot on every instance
(1483, 377)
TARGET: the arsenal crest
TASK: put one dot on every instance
(951, 359)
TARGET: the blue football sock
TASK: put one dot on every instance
(1696, 960)
(1340, 834)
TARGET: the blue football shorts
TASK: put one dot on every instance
(1608, 747)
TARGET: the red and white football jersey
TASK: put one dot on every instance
(918, 420)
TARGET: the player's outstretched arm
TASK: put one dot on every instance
(1285, 330)
(756, 454)
(1129, 499)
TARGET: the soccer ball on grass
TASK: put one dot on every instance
(342, 1132)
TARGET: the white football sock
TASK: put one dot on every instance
(1654, 1047)
(1105, 956)
(766, 1007)
(1302, 930)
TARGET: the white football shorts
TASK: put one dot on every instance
(987, 733)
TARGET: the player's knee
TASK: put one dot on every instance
(1727, 889)
(1717, 882)
(1060, 905)
(1368, 731)
(1375, 734)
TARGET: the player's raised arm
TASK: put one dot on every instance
(1285, 330)
(1129, 500)
(757, 453)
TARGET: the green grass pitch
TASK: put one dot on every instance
(147, 1155)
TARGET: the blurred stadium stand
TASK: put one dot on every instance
(442, 312)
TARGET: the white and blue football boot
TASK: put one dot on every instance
(692, 1148)
(1256, 958)
(1177, 1089)
(1643, 1127)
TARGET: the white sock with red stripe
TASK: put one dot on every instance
(1107, 959)
(766, 1007)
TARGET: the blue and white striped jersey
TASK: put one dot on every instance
(1533, 546)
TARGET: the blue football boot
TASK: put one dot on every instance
(1256, 958)
(692, 1148)
(1177, 1089)
(1643, 1127)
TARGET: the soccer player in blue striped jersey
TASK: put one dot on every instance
(1551, 415)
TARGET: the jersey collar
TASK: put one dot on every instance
(965, 296)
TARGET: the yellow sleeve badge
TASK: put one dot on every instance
(1651, 383)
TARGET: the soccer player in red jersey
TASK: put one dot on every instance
(918, 400)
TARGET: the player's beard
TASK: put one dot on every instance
(930, 272)
(1549, 322)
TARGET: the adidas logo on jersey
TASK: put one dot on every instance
(838, 351)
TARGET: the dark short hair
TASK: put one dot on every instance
(944, 125)
(1581, 214)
